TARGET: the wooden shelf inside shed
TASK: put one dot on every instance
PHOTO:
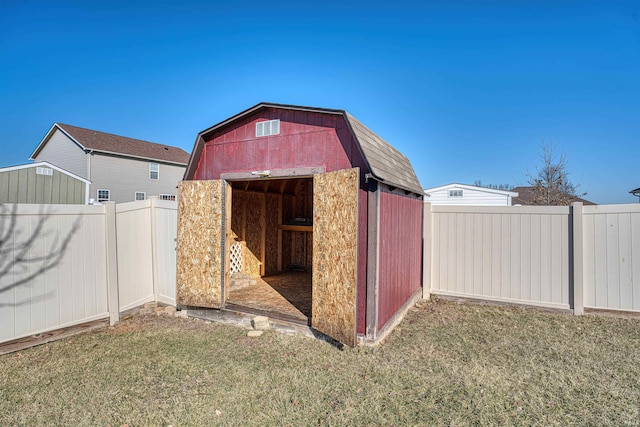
(286, 227)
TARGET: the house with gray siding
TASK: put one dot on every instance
(42, 183)
(120, 169)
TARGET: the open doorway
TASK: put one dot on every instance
(329, 244)
(272, 247)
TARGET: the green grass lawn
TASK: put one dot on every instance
(447, 364)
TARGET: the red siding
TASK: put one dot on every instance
(400, 250)
(306, 139)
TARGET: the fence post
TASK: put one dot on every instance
(426, 250)
(153, 206)
(578, 259)
(112, 262)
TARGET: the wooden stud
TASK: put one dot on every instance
(254, 233)
(272, 232)
(226, 249)
(263, 232)
(280, 232)
(243, 236)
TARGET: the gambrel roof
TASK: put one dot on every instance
(91, 140)
(385, 162)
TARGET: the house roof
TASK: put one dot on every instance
(91, 140)
(471, 187)
(46, 165)
(526, 197)
(385, 162)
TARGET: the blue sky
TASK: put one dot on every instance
(467, 90)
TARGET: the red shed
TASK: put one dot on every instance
(301, 213)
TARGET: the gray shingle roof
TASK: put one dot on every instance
(527, 197)
(385, 161)
(122, 145)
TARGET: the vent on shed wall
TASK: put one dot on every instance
(271, 127)
(44, 171)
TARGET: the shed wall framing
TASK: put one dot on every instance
(259, 218)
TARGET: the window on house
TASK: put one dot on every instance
(154, 170)
(270, 127)
(455, 193)
(171, 197)
(103, 195)
(140, 195)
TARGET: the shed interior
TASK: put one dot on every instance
(272, 250)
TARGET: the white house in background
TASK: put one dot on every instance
(470, 195)
(120, 169)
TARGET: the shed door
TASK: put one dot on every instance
(335, 251)
(204, 228)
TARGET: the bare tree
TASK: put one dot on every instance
(504, 187)
(550, 182)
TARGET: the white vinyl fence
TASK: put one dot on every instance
(146, 252)
(52, 267)
(558, 257)
(612, 257)
(62, 265)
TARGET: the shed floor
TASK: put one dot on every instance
(287, 293)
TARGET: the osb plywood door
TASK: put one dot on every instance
(335, 251)
(203, 219)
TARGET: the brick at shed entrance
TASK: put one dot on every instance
(261, 323)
